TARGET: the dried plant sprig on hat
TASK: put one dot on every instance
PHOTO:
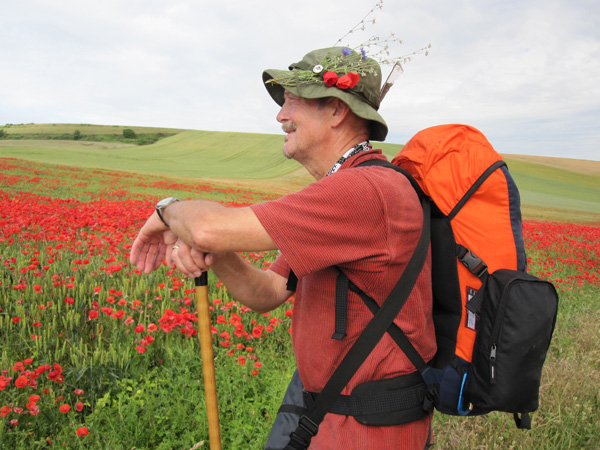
(381, 49)
(363, 23)
(342, 70)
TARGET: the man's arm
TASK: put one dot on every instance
(203, 225)
(209, 234)
(212, 228)
(260, 290)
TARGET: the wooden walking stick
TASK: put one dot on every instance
(208, 361)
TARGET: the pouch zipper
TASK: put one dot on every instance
(500, 311)
(493, 363)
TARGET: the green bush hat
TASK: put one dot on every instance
(334, 72)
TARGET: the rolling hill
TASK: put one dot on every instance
(550, 188)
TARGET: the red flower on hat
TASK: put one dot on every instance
(330, 78)
(348, 81)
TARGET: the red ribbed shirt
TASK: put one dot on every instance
(366, 221)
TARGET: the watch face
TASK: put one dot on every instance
(165, 202)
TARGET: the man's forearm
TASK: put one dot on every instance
(212, 228)
(257, 289)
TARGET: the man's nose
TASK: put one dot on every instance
(283, 115)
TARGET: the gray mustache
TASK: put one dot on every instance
(288, 127)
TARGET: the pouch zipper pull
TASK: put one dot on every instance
(493, 364)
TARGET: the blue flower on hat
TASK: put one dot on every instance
(346, 51)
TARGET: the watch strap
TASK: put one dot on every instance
(162, 205)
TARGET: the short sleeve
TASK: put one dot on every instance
(329, 223)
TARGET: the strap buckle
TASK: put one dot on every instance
(310, 427)
(298, 440)
(472, 262)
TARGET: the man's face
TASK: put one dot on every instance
(303, 121)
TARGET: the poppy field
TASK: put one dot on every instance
(95, 355)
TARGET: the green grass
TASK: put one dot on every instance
(60, 242)
(556, 188)
(190, 154)
(248, 160)
(62, 128)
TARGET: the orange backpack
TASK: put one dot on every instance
(493, 321)
(447, 161)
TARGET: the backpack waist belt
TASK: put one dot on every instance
(387, 402)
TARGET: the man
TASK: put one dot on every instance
(363, 221)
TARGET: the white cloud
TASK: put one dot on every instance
(524, 72)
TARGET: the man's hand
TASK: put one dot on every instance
(189, 261)
(153, 244)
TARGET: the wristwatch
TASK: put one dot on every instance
(162, 205)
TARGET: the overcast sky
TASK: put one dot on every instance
(525, 72)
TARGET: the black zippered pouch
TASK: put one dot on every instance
(514, 329)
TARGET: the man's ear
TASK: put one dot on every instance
(340, 111)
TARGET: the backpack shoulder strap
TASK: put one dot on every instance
(342, 283)
(484, 176)
(382, 163)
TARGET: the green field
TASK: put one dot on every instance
(55, 128)
(95, 355)
(554, 190)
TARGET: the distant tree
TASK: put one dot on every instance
(77, 135)
(2, 133)
(128, 133)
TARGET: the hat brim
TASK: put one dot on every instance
(378, 128)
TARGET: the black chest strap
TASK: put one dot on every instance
(292, 282)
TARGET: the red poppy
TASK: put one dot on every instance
(55, 375)
(22, 381)
(78, 391)
(64, 408)
(330, 78)
(79, 406)
(82, 431)
(221, 319)
(33, 408)
(348, 81)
